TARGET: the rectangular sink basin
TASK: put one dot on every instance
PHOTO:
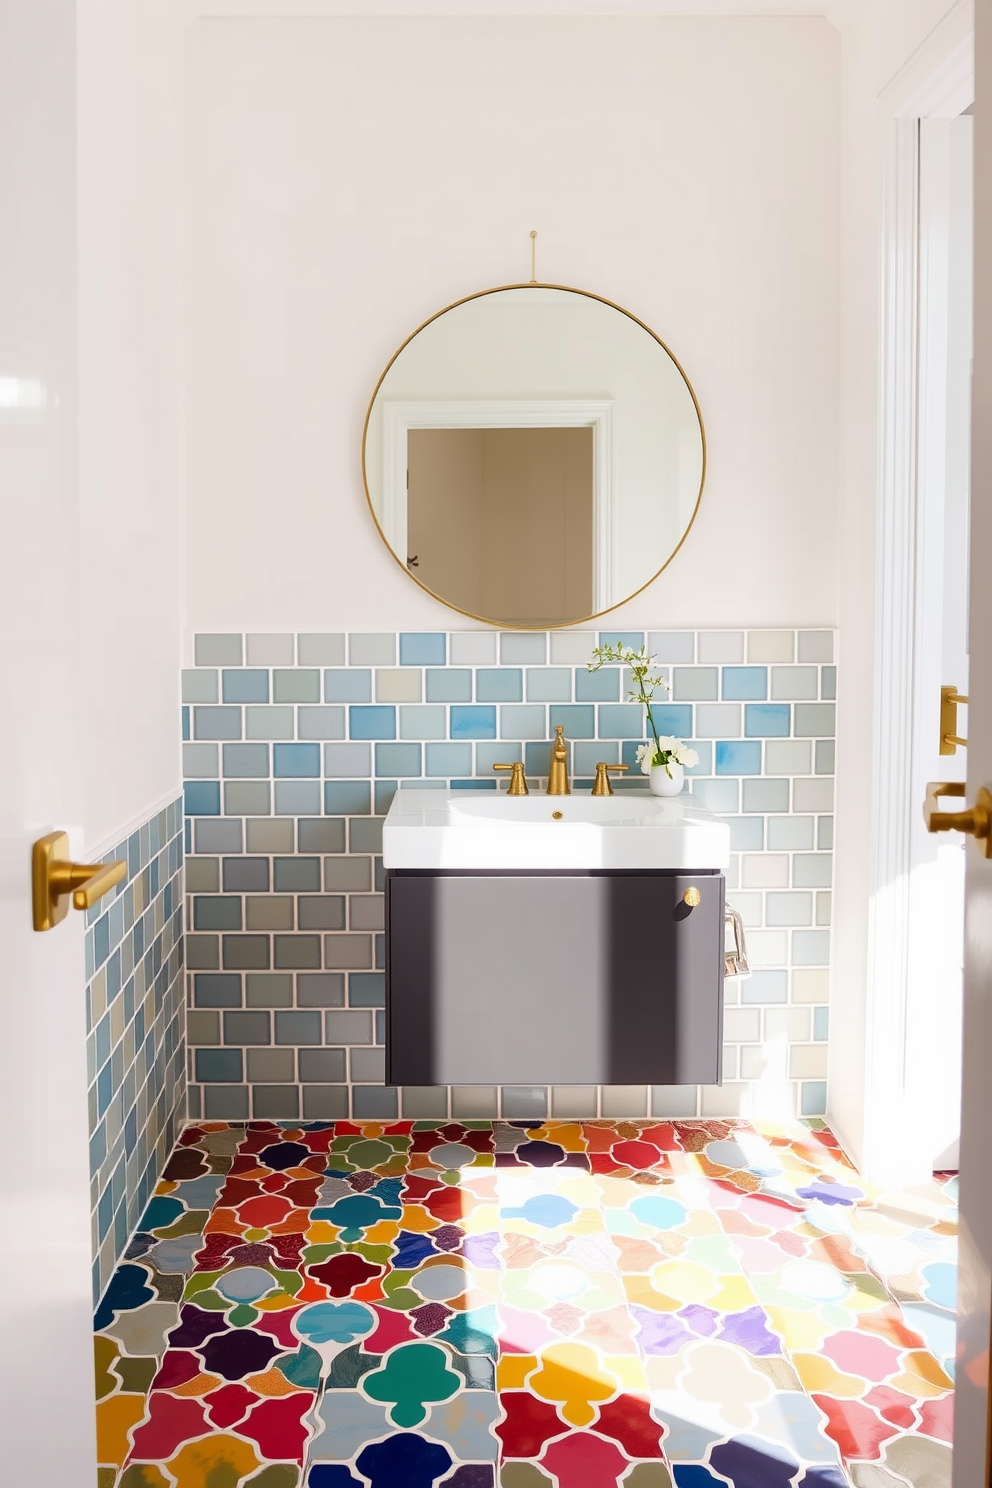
(436, 829)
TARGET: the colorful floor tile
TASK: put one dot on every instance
(575, 1304)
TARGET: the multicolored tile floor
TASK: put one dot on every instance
(581, 1304)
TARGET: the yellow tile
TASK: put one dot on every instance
(512, 1370)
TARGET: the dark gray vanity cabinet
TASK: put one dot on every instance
(581, 978)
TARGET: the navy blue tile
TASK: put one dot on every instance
(738, 757)
(449, 685)
(201, 797)
(295, 760)
(499, 684)
(473, 723)
(577, 719)
(376, 722)
(397, 759)
(744, 684)
(347, 798)
(245, 686)
(768, 720)
(422, 648)
(597, 687)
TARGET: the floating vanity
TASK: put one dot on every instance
(553, 939)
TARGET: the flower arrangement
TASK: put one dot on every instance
(645, 682)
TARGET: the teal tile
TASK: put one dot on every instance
(736, 757)
(631, 640)
(474, 785)
(597, 687)
(487, 755)
(297, 797)
(199, 686)
(821, 1024)
(744, 684)
(347, 685)
(577, 719)
(813, 1098)
(445, 760)
(295, 760)
(216, 912)
(622, 721)
(397, 759)
(244, 761)
(767, 720)
(243, 686)
(216, 723)
(450, 685)
(366, 989)
(747, 833)
(246, 798)
(347, 798)
(418, 648)
(201, 797)
(537, 758)
(423, 721)
(385, 790)
(585, 757)
(296, 685)
(671, 720)
(473, 722)
(269, 722)
(347, 759)
(549, 685)
(218, 1065)
(376, 722)
(499, 685)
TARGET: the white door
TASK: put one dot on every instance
(975, 1265)
(46, 1400)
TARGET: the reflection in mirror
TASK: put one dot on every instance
(533, 456)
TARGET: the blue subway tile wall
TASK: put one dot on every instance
(135, 1043)
(294, 751)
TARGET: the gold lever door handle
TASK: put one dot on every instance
(976, 821)
(950, 739)
(54, 878)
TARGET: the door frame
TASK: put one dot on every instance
(937, 82)
(399, 417)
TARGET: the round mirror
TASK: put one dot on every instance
(533, 456)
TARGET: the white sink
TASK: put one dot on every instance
(632, 829)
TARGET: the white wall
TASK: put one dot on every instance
(130, 192)
(348, 177)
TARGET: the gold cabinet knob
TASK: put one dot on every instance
(692, 897)
(976, 821)
(54, 878)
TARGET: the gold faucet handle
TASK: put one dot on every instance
(602, 786)
(518, 780)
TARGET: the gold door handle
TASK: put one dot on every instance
(518, 780)
(976, 821)
(950, 740)
(602, 786)
(54, 878)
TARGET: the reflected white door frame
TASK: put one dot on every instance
(398, 418)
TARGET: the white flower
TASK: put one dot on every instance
(687, 756)
(644, 753)
(668, 744)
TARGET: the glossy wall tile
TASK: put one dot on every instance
(294, 746)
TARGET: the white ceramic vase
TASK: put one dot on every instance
(663, 784)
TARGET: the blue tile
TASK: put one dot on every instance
(347, 759)
(828, 682)
(473, 723)
(549, 685)
(625, 721)
(474, 785)
(222, 1066)
(451, 685)
(216, 723)
(397, 759)
(813, 1098)
(733, 757)
(487, 755)
(628, 757)
(297, 798)
(671, 719)
(704, 749)
(377, 722)
(295, 760)
(445, 760)
(526, 721)
(185, 712)
(201, 797)
(347, 685)
(499, 684)
(768, 720)
(366, 989)
(517, 647)
(245, 686)
(747, 834)
(721, 796)
(423, 721)
(577, 719)
(821, 1024)
(385, 790)
(420, 648)
(347, 798)
(537, 758)
(597, 687)
(246, 761)
(217, 989)
(629, 639)
(585, 757)
(744, 684)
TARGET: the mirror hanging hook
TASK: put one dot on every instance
(533, 256)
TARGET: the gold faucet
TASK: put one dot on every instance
(558, 771)
(602, 786)
(518, 781)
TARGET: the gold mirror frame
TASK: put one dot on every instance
(478, 295)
